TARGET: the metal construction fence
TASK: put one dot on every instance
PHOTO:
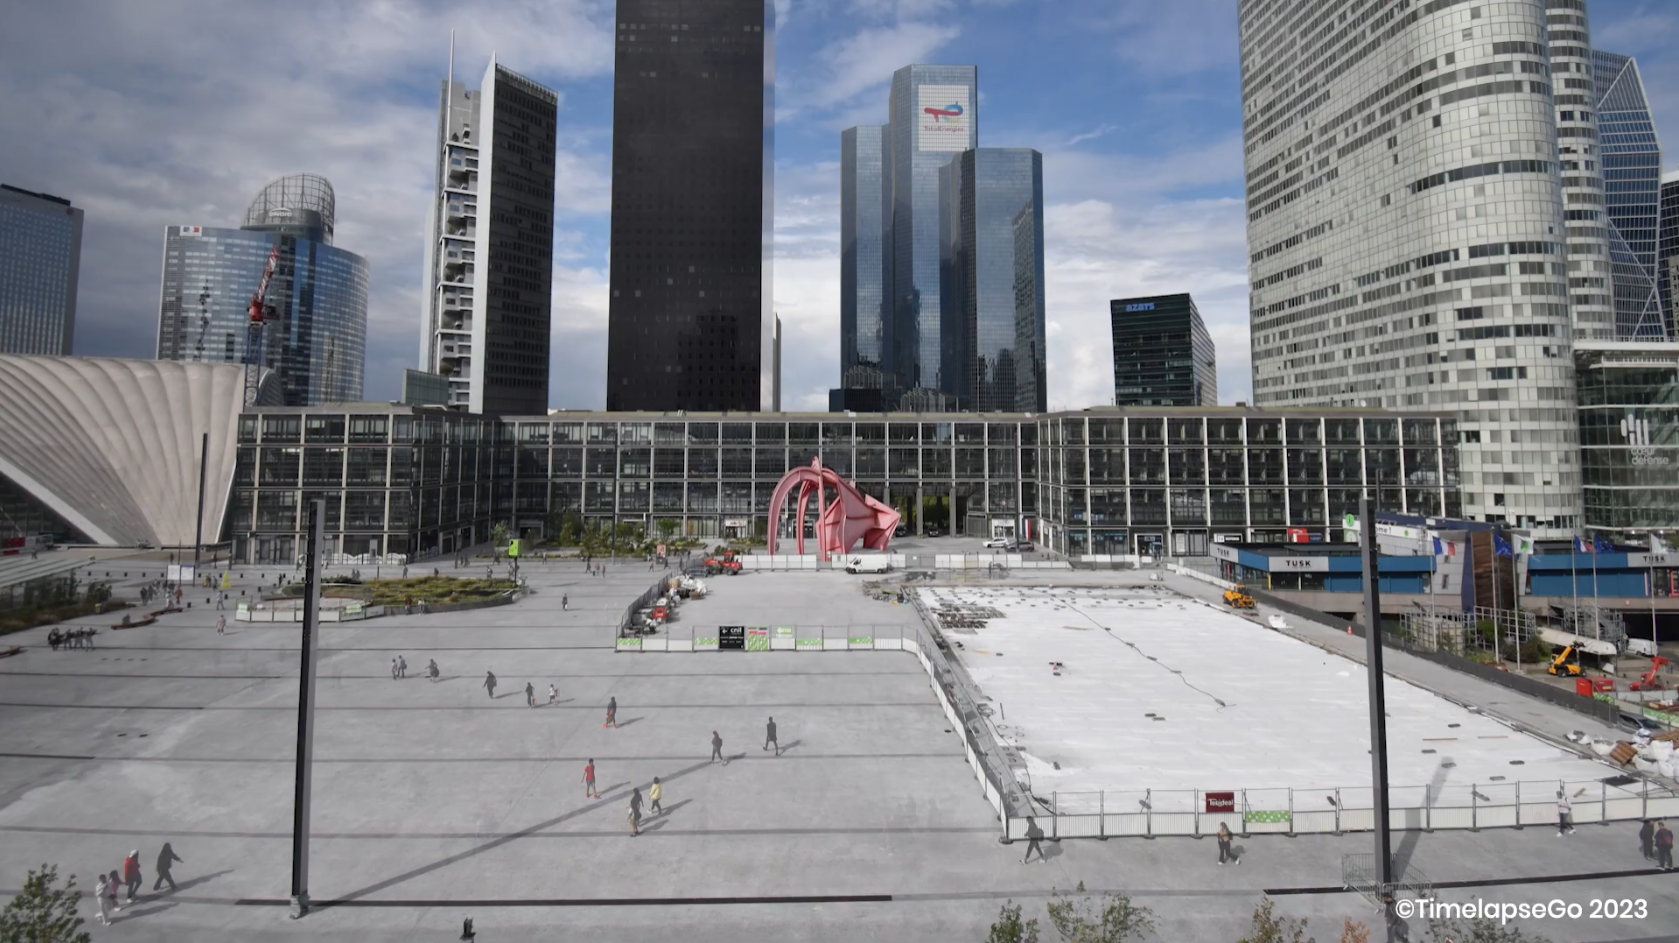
(907, 561)
(1295, 811)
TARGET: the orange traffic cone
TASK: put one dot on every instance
(1349, 628)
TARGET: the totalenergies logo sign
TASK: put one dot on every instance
(945, 121)
(1636, 432)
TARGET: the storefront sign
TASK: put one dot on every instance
(1221, 552)
(1299, 564)
(1653, 560)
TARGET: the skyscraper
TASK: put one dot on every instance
(1591, 278)
(40, 263)
(1632, 167)
(692, 206)
(934, 117)
(865, 256)
(993, 331)
(1667, 250)
(1163, 355)
(485, 317)
(317, 300)
(1407, 240)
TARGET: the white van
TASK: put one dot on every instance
(868, 563)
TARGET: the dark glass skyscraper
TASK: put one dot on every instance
(40, 261)
(865, 258)
(1632, 169)
(317, 299)
(993, 335)
(934, 117)
(692, 205)
(1163, 355)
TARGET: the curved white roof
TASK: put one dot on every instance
(112, 445)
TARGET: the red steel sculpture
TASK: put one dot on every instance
(855, 516)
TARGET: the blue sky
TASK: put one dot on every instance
(178, 111)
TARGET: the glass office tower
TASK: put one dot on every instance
(1667, 250)
(317, 300)
(692, 206)
(40, 264)
(993, 331)
(1632, 167)
(865, 258)
(1406, 233)
(485, 319)
(934, 117)
(1163, 355)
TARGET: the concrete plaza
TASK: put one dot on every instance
(434, 801)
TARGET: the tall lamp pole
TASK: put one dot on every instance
(203, 464)
(306, 714)
(1378, 699)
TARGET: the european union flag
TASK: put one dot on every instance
(1500, 546)
(1602, 546)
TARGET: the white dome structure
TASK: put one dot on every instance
(112, 446)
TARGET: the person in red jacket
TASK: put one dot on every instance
(589, 780)
(131, 873)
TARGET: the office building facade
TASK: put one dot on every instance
(1629, 436)
(489, 256)
(1632, 168)
(40, 266)
(994, 251)
(1163, 355)
(1591, 268)
(692, 206)
(1667, 250)
(934, 116)
(1406, 229)
(424, 482)
(316, 332)
(865, 257)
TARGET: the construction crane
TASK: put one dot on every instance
(254, 342)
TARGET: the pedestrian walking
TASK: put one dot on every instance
(221, 601)
(1647, 839)
(401, 666)
(405, 571)
(1664, 847)
(1224, 849)
(717, 748)
(221, 625)
(611, 714)
(565, 602)
(530, 694)
(1564, 810)
(1034, 835)
(131, 873)
(589, 780)
(165, 858)
(431, 669)
(553, 693)
(393, 669)
(177, 597)
(112, 882)
(603, 571)
(654, 793)
(635, 812)
(100, 890)
(769, 737)
(490, 683)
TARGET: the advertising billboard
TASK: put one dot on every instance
(943, 117)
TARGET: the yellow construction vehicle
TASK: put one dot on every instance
(1560, 665)
(1237, 598)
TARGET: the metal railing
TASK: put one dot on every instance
(1295, 810)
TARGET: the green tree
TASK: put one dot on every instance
(43, 913)
(498, 534)
(1114, 920)
(1269, 928)
(666, 528)
(1009, 928)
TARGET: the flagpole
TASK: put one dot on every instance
(1497, 601)
(1574, 578)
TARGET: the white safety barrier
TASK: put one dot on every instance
(1201, 575)
(352, 613)
(1302, 811)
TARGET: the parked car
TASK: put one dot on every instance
(999, 543)
(1023, 546)
(933, 532)
(902, 530)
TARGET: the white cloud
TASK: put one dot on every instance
(1091, 135)
(864, 61)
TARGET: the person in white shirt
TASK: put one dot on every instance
(1564, 826)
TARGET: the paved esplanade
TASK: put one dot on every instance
(433, 795)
